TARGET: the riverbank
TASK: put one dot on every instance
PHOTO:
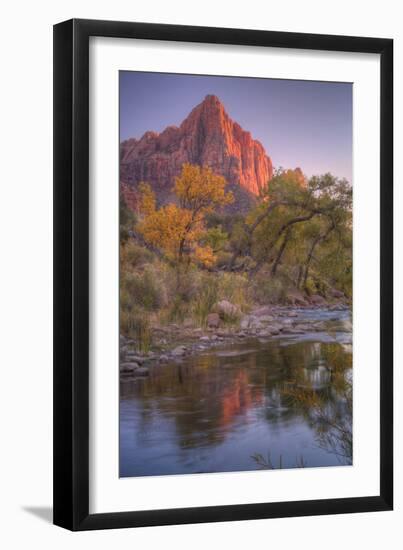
(173, 343)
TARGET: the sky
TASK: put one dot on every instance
(299, 123)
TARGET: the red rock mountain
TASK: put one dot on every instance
(207, 137)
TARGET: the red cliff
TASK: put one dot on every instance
(206, 137)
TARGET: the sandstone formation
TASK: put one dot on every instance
(207, 137)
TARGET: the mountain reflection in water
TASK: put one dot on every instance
(214, 412)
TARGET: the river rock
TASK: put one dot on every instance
(142, 371)
(123, 351)
(251, 322)
(317, 300)
(287, 322)
(304, 328)
(274, 330)
(337, 307)
(295, 298)
(255, 323)
(213, 320)
(179, 351)
(265, 318)
(245, 322)
(291, 330)
(128, 367)
(334, 293)
(132, 357)
(262, 311)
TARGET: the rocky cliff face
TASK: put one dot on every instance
(207, 137)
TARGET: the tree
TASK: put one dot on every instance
(293, 221)
(179, 229)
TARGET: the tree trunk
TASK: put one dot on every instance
(285, 227)
(299, 279)
(320, 238)
(281, 252)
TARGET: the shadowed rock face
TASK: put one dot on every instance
(207, 137)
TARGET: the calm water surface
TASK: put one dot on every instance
(217, 411)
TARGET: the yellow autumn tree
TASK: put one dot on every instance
(177, 229)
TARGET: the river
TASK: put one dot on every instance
(279, 402)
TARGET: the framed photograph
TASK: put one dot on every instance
(223, 320)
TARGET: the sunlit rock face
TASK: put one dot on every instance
(207, 137)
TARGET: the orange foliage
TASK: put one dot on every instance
(175, 229)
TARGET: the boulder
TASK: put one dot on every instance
(295, 298)
(317, 300)
(226, 309)
(334, 293)
(213, 320)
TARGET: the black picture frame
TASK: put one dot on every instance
(71, 274)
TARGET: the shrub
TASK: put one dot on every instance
(142, 290)
(234, 288)
(178, 310)
(267, 289)
(133, 255)
(206, 297)
(137, 327)
(189, 284)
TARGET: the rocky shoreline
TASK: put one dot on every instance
(173, 343)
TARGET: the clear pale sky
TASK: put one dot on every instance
(300, 123)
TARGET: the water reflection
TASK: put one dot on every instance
(213, 412)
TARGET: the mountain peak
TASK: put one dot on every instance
(207, 137)
(212, 100)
